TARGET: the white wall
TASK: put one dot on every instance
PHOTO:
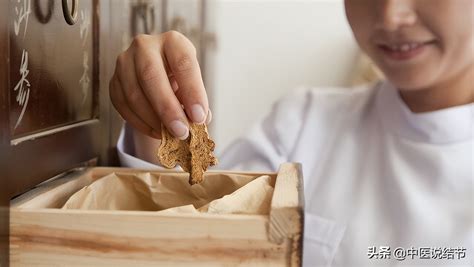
(264, 49)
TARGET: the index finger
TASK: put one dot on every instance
(181, 58)
(153, 79)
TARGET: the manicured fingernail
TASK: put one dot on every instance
(209, 117)
(179, 129)
(197, 112)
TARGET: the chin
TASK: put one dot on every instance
(409, 80)
(407, 85)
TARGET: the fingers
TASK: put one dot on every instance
(158, 80)
(153, 79)
(121, 105)
(180, 56)
(136, 100)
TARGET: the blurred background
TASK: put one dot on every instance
(266, 48)
(253, 52)
(57, 58)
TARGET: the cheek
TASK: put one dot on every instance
(456, 51)
(460, 49)
(454, 29)
(359, 18)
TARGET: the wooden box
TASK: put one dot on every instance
(41, 234)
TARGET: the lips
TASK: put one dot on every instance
(403, 50)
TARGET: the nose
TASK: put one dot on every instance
(394, 14)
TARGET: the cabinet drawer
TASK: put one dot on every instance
(53, 64)
(42, 234)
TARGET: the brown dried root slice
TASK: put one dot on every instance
(194, 155)
(202, 156)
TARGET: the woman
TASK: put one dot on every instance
(388, 168)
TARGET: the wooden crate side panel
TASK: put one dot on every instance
(43, 237)
(143, 224)
(42, 260)
(286, 214)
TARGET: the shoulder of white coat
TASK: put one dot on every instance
(295, 108)
(353, 99)
(302, 98)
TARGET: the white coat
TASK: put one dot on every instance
(383, 186)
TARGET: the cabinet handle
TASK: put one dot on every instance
(39, 13)
(150, 12)
(70, 16)
(146, 13)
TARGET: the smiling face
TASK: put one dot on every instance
(416, 43)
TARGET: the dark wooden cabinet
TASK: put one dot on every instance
(53, 66)
(52, 108)
(55, 113)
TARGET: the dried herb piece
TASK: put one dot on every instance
(194, 155)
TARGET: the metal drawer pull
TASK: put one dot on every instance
(146, 13)
(39, 13)
(70, 17)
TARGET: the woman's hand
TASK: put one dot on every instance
(154, 79)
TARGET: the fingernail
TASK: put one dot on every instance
(179, 129)
(209, 117)
(197, 112)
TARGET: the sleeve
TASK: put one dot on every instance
(126, 151)
(271, 141)
(264, 147)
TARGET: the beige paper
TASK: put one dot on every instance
(171, 193)
(253, 198)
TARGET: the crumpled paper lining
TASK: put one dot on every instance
(171, 193)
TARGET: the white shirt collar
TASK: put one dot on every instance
(445, 126)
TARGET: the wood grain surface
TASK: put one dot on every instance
(42, 234)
